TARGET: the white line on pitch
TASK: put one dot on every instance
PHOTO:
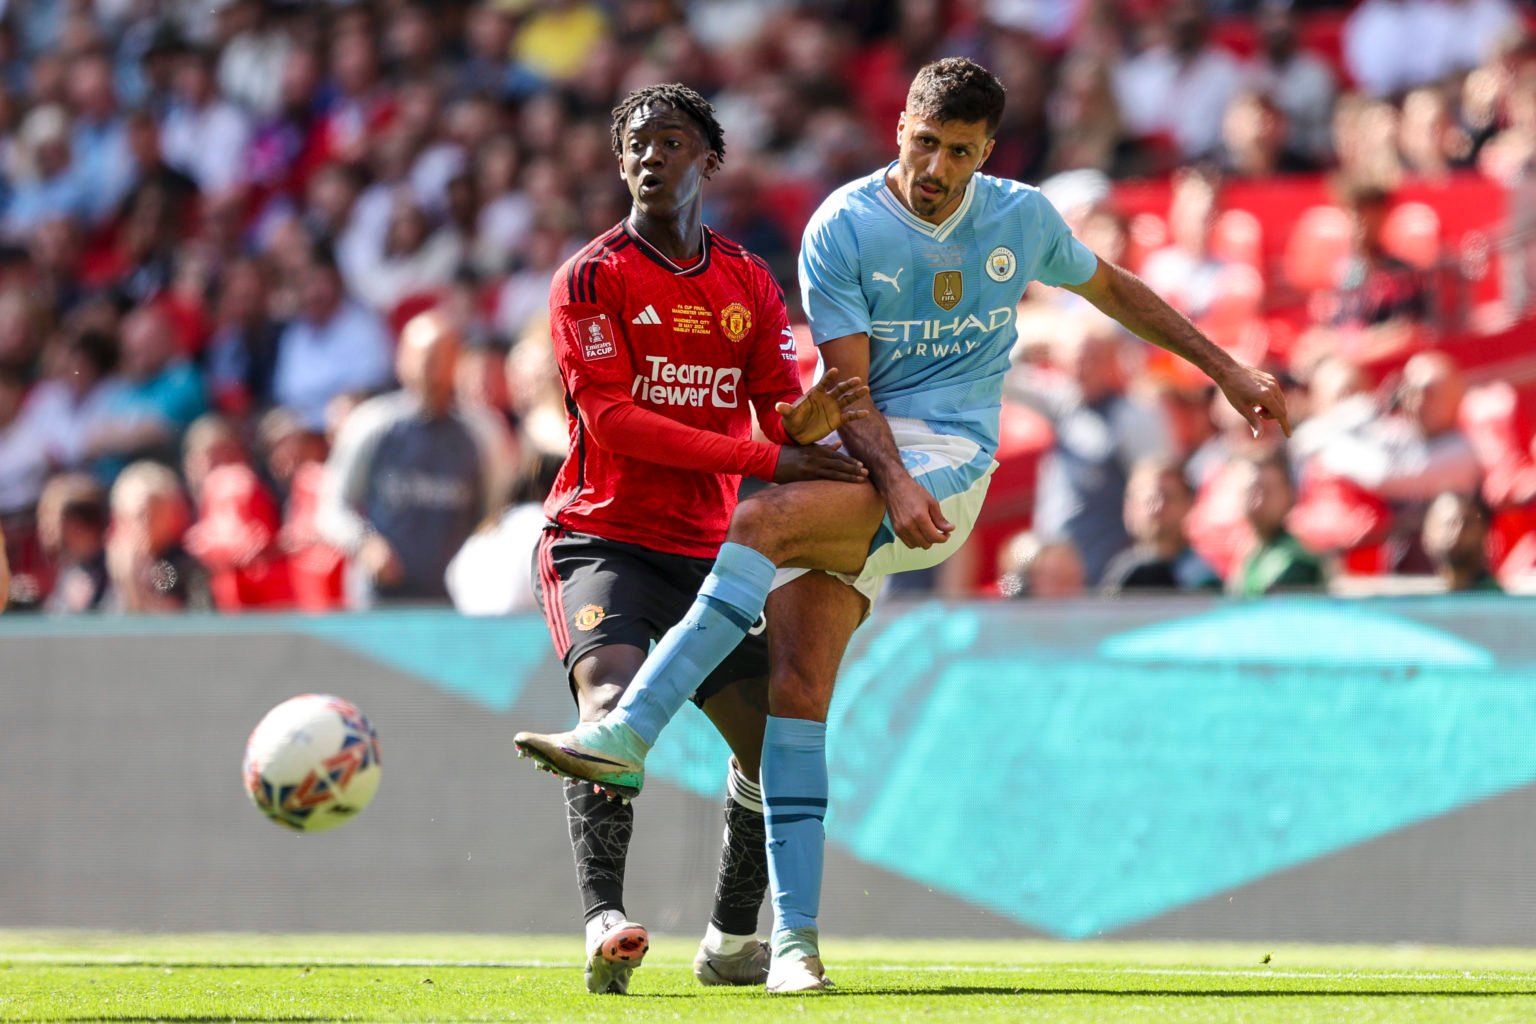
(128, 959)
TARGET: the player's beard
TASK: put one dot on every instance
(921, 204)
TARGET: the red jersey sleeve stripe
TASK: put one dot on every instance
(593, 250)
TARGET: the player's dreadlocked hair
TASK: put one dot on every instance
(957, 89)
(678, 97)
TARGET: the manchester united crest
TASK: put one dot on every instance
(735, 321)
(948, 287)
(589, 616)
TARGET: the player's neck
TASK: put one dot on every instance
(680, 238)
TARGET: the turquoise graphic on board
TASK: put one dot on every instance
(1079, 795)
(488, 660)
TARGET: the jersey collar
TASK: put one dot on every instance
(938, 232)
(655, 255)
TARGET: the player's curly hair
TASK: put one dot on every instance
(957, 89)
(678, 97)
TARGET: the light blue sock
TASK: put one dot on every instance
(794, 780)
(728, 605)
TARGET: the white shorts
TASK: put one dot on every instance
(955, 471)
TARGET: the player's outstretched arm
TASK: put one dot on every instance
(825, 408)
(915, 514)
(1120, 294)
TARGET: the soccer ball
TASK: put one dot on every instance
(312, 762)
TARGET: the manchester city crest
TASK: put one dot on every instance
(1001, 264)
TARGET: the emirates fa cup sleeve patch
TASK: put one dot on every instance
(596, 338)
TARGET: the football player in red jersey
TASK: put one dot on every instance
(668, 336)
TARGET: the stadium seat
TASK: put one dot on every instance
(1318, 244)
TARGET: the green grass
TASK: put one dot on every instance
(113, 976)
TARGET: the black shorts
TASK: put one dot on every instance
(597, 592)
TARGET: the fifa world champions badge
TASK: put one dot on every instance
(596, 336)
(735, 321)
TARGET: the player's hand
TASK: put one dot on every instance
(916, 516)
(817, 462)
(1256, 396)
(379, 561)
(824, 408)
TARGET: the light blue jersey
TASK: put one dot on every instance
(937, 300)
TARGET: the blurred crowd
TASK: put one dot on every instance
(273, 278)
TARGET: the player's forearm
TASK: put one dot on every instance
(623, 428)
(1125, 297)
(870, 441)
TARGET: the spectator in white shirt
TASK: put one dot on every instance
(335, 345)
(1180, 87)
(1411, 457)
(203, 135)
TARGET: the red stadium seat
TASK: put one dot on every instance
(1318, 245)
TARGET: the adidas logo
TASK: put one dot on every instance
(647, 316)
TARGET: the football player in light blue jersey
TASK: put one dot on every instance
(910, 279)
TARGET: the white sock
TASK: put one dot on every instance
(716, 941)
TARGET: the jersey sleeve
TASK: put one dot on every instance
(597, 369)
(829, 278)
(1063, 259)
(773, 365)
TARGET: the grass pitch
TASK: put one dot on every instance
(117, 977)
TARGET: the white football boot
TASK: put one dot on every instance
(746, 966)
(796, 966)
(615, 947)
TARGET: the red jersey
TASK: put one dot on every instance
(660, 362)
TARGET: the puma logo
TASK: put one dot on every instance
(894, 282)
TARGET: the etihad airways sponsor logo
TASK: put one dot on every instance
(938, 339)
(669, 383)
(937, 330)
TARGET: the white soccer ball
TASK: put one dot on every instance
(312, 762)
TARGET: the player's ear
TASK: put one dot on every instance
(986, 151)
(901, 127)
(711, 164)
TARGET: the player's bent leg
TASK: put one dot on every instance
(810, 622)
(730, 952)
(817, 523)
